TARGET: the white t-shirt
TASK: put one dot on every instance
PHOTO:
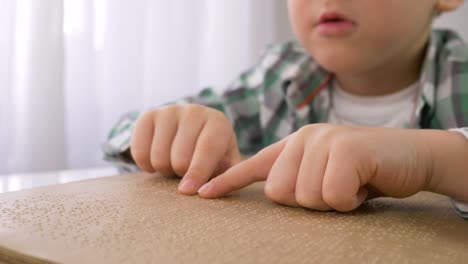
(393, 110)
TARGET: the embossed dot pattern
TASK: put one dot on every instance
(140, 219)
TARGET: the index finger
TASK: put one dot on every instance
(243, 174)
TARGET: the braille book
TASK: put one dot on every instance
(140, 218)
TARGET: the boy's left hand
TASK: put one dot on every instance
(325, 167)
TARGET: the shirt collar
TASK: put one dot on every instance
(303, 79)
(307, 79)
(445, 48)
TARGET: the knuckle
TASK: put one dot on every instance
(311, 201)
(217, 115)
(344, 144)
(313, 127)
(193, 109)
(180, 166)
(137, 154)
(140, 157)
(335, 200)
(196, 173)
(209, 147)
(145, 116)
(202, 113)
(191, 112)
(160, 164)
(276, 194)
(168, 110)
(322, 131)
(307, 129)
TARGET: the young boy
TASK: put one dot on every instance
(393, 92)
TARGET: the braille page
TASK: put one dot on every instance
(140, 219)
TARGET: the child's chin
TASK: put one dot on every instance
(341, 67)
(339, 62)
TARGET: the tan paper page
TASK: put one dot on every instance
(140, 219)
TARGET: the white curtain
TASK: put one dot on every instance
(70, 68)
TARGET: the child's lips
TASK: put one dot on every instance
(334, 24)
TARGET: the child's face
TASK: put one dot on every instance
(355, 36)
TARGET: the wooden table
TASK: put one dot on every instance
(140, 219)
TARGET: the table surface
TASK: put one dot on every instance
(140, 218)
(16, 182)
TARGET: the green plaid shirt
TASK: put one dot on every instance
(287, 89)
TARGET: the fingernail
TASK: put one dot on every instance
(203, 188)
(187, 187)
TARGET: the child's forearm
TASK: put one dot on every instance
(449, 155)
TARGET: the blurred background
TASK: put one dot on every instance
(70, 68)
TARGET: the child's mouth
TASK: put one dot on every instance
(334, 24)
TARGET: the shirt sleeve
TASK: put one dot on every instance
(116, 149)
(448, 72)
(461, 208)
(240, 103)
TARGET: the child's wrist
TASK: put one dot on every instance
(447, 163)
(425, 154)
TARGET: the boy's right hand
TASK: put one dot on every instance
(191, 141)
